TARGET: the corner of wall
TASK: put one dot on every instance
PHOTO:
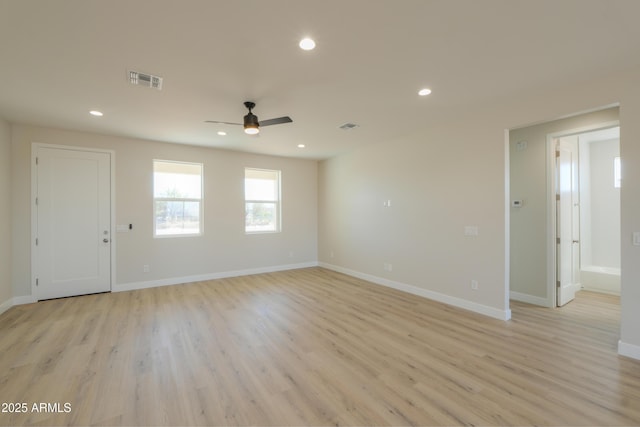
(6, 305)
(629, 350)
(6, 290)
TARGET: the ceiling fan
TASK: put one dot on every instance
(251, 124)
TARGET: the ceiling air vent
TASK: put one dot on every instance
(349, 126)
(147, 80)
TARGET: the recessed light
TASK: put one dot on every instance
(301, 145)
(424, 92)
(222, 133)
(96, 113)
(307, 44)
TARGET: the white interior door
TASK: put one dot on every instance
(73, 235)
(567, 220)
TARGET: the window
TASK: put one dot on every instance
(177, 198)
(262, 200)
(617, 173)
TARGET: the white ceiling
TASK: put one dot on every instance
(59, 59)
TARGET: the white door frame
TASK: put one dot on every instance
(35, 146)
(551, 202)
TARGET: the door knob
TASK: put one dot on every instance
(576, 241)
(105, 240)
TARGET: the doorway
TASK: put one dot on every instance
(532, 205)
(600, 235)
(71, 221)
(585, 204)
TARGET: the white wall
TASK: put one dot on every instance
(630, 215)
(438, 182)
(5, 216)
(452, 174)
(223, 249)
(528, 181)
(605, 206)
(599, 215)
(585, 204)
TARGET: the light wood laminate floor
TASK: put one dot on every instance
(312, 347)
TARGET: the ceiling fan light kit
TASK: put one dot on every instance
(251, 124)
(251, 129)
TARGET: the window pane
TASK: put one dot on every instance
(177, 217)
(177, 191)
(260, 189)
(176, 185)
(260, 217)
(262, 200)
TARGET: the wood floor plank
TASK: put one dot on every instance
(312, 347)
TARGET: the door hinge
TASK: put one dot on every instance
(37, 280)
(36, 201)
(557, 240)
(36, 241)
(557, 153)
(36, 161)
(557, 283)
(557, 197)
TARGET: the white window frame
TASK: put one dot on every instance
(200, 201)
(277, 201)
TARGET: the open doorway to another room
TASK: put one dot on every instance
(592, 236)
(585, 204)
(600, 182)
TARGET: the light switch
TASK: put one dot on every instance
(636, 238)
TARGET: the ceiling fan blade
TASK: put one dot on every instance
(277, 121)
(224, 123)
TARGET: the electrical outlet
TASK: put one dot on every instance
(387, 266)
(474, 285)
(331, 254)
(145, 268)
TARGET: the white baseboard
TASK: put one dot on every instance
(27, 299)
(210, 276)
(529, 299)
(602, 290)
(15, 301)
(436, 296)
(6, 305)
(629, 350)
(446, 299)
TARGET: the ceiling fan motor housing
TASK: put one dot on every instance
(251, 120)
(251, 124)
